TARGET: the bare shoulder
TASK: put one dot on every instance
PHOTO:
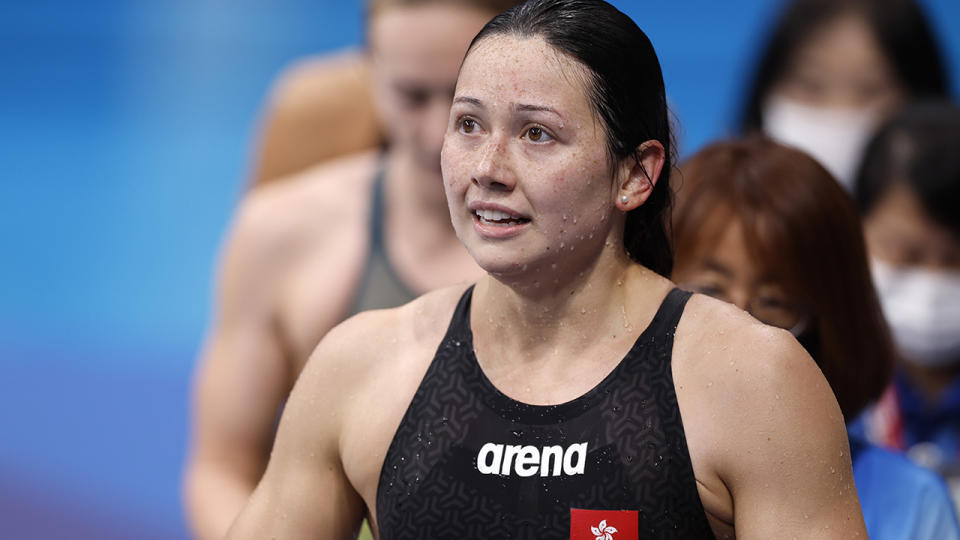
(716, 339)
(743, 371)
(306, 206)
(301, 81)
(369, 366)
(762, 425)
(375, 342)
(320, 107)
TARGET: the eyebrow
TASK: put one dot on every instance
(469, 100)
(714, 266)
(536, 108)
(521, 107)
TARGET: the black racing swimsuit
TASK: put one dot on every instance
(469, 462)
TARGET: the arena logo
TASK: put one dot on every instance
(529, 460)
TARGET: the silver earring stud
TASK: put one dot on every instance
(624, 199)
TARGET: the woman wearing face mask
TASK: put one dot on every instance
(909, 193)
(766, 228)
(832, 70)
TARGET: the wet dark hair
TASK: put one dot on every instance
(626, 92)
(918, 148)
(900, 27)
(802, 229)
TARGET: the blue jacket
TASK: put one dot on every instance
(901, 500)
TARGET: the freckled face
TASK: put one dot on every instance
(416, 52)
(524, 160)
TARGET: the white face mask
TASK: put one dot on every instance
(922, 308)
(834, 136)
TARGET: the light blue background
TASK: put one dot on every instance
(125, 129)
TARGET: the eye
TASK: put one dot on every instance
(770, 302)
(466, 125)
(413, 98)
(538, 134)
(708, 288)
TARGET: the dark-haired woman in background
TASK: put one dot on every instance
(832, 70)
(545, 402)
(909, 193)
(765, 227)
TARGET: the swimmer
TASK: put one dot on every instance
(366, 231)
(546, 400)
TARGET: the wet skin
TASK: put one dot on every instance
(550, 322)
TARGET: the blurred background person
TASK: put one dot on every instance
(116, 195)
(369, 230)
(909, 193)
(765, 227)
(321, 107)
(832, 70)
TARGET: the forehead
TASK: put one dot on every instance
(425, 40)
(843, 43)
(900, 208)
(745, 245)
(509, 69)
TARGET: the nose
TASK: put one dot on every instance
(492, 169)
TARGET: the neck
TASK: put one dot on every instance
(569, 310)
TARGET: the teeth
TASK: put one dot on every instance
(494, 215)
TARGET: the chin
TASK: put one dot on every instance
(508, 264)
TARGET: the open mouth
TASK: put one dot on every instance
(496, 217)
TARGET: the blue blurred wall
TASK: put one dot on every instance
(125, 129)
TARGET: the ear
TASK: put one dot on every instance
(639, 174)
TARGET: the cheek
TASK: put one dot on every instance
(452, 167)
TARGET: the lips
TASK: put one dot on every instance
(496, 221)
(499, 217)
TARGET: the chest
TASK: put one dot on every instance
(496, 467)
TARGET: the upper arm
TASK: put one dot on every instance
(788, 463)
(243, 374)
(305, 490)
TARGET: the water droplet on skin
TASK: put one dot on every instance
(553, 266)
(574, 221)
(561, 245)
(832, 470)
(583, 311)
